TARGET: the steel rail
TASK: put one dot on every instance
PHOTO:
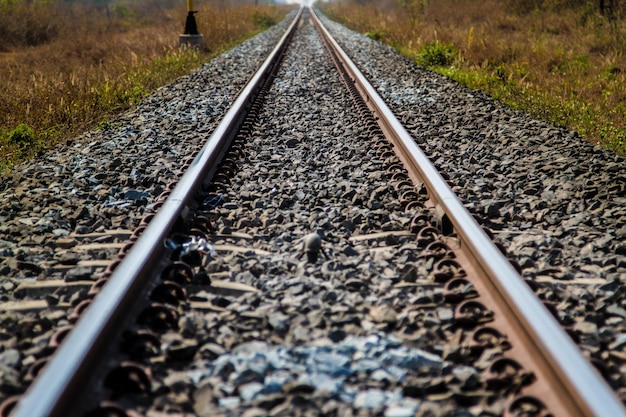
(54, 392)
(581, 390)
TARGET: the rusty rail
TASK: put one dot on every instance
(569, 385)
(59, 387)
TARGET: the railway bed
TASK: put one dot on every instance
(554, 202)
(322, 287)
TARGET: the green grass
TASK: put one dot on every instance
(505, 85)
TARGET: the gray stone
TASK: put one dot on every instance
(370, 399)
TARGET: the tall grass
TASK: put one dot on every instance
(65, 67)
(561, 60)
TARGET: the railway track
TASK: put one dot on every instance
(301, 274)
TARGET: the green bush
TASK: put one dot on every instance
(22, 136)
(24, 24)
(376, 34)
(437, 54)
(263, 21)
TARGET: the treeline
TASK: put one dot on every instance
(27, 23)
(609, 8)
(612, 9)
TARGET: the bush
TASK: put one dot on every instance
(22, 136)
(23, 24)
(437, 54)
(263, 21)
(376, 34)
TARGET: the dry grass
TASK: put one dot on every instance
(67, 67)
(561, 60)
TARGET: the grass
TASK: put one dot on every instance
(70, 66)
(560, 60)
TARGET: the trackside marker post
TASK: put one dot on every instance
(191, 37)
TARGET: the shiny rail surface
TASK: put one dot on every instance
(580, 391)
(54, 392)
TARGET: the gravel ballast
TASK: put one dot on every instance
(556, 203)
(102, 180)
(361, 329)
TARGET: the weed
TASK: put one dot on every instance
(376, 34)
(22, 136)
(437, 54)
(611, 72)
(263, 20)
